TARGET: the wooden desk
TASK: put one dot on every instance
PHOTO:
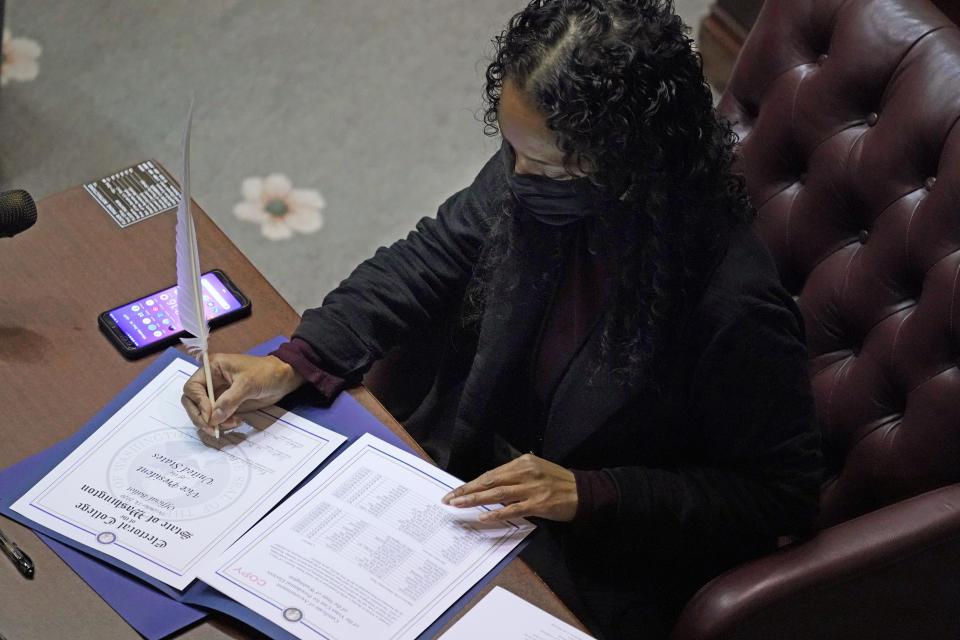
(54, 280)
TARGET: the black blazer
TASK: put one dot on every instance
(711, 466)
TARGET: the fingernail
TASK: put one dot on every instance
(446, 499)
(217, 416)
(458, 502)
(485, 516)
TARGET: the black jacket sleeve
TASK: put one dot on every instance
(407, 285)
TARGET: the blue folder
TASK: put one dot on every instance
(151, 607)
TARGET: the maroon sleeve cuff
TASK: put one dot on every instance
(300, 355)
(597, 496)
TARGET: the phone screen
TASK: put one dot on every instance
(156, 316)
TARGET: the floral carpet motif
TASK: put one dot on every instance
(278, 208)
(19, 58)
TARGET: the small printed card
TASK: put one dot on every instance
(135, 193)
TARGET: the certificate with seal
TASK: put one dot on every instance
(152, 491)
(363, 550)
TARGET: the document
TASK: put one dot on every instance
(150, 490)
(504, 616)
(364, 550)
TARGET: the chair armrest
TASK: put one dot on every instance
(892, 573)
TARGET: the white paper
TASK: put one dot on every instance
(149, 490)
(505, 616)
(364, 550)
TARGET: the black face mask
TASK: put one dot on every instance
(553, 202)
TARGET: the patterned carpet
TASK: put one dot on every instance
(322, 130)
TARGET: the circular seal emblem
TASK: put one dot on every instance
(292, 614)
(106, 537)
(163, 471)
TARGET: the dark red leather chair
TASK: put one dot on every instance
(849, 118)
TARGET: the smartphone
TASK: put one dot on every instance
(152, 322)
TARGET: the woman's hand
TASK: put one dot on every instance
(240, 384)
(529, 486)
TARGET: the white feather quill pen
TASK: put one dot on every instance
(190, 295)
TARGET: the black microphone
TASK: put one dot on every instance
(18, 212)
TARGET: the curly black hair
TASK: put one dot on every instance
(620, 84)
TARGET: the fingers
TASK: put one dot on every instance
(521, 501)
(496, 495)
(195, 399)
(228, 402)
(196, 413)
(517, 510)
(530, 486)
(503, 475)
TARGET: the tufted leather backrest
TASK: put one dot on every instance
(848, 115)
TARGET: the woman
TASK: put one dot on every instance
(597, 299)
